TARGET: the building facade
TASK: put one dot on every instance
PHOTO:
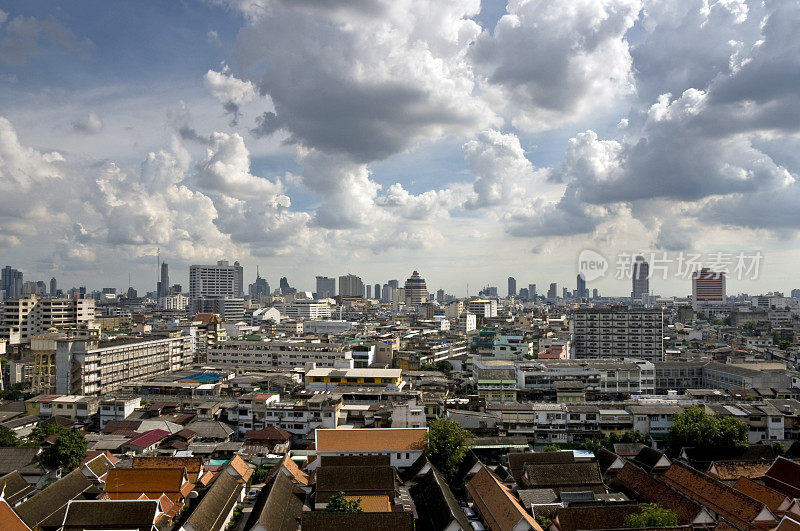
(618, 332)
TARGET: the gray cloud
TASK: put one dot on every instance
(22, 37)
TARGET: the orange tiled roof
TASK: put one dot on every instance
(193, 465)
(9, 521)
(370, 440)
(730, 504)
(131, 483)
(498, 506)
(298, 475)
(733, 470)
(372, 503)
(769, 497)
(241, 467)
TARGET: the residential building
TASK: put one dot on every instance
(228, 308)
(94, 368)
(325, 379)
(112, 408)
(326, 287)
(307, 309)
(351, 286)
(618, 332)
(486, 308)
(221, 280)
(264, 354)
(496, 385)
(403, 445)
(175, 302)
(467, 322)
(23, 318)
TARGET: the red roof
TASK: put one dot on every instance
(784, 476)
(148, 438)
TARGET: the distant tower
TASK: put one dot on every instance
(53, 287)
(512, 287)
(640, 279)
(377, 293)
(580, 291)
(532, 292)
(416, 290)
(164, 284)
(369, 291)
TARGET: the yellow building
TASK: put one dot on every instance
(323, 379)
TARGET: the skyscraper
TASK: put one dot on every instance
(394, 284)
(416, 290)
(11, 282)
(640, 278)
(532, 292)
(326, 287)
(512, 287)
(377, 293)
(258, 288)
(386, 293)
(53, 287)
(163, 284)
(552, 293)
(708, 287)
(351, 286)
(369, 291)
(580, 288)
(286, 289)
(440, 295)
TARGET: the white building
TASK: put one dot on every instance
(409, 415)
(262, 354)
(618, 332)
(28, 316)
(403, 445)
(175, 302)
(327, 327)
(221, 280)
(307, 309)
(117, 408)
(467, 322)
(486, 308)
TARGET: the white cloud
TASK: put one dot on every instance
(89, 124)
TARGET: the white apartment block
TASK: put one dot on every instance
(117, 408)
(618, 332)
(483, 307)
(467, 322)
(92, 368)
(175, 302)
(221, 280)
(28, 316)
(305, 309)
(327, 327)
(260, 354)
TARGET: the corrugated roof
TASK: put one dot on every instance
(370, 440)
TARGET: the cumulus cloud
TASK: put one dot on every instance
(498, 162)
(554, 61)
(89, 124)
(230, 91)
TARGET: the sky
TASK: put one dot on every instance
(469, 140)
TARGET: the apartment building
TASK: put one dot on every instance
(262, 354)
(26, 317)
(93, 368)
(74, 407)
(618, 332)
(548, 423)
(679, 375)
(486, 308)
(327, 379)
(112, 408)
(307, 309)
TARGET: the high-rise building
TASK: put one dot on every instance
(386, 293)
(524, 294)
(416, 290)
(351, 286)
(640, 279)
(512, 287)
(53, 287)
(564, 293)
(595, 293)
(221, 280)
(580, 288)
(377, 293)
(708, 288)
(258, 288)
(795, 293)
(618, 332)
(285, 288)
(532, 292)
(22, 318)
(162, 288)
(369, 291)
(11, 282)
(326, 287)
(440, 296)
(394, 284)
(552, 293)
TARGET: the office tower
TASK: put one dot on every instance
(221, 280)
(163, 285)
(326, 287)
(564, 293)
(618, 332)
(53, 287)
(532, 292)
(708, 287)
(552, 293)
(416, 290)
(369, 291)
(580, 289)
(595, 293)
(640, 279)
(440, 295)
(524, 294)
(11, 282)
(386, 293)
(512, 287)
(394, 284)
(351, 286)
(131, 293)
(259, 288)
(285, 288)
(377, 293)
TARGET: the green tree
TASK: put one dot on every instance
(43, 430)
(778, 448)
(447, 444)
(339, 504)
(543, 521)
(260, 474)
(68, 450)
(552, 448)
(8, 437)
(695, 427)
(651, 515)
(608, 442)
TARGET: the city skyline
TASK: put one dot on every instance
(198, 136)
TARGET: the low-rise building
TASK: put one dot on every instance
(403, 445)
(325, 379)
(264, 354)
